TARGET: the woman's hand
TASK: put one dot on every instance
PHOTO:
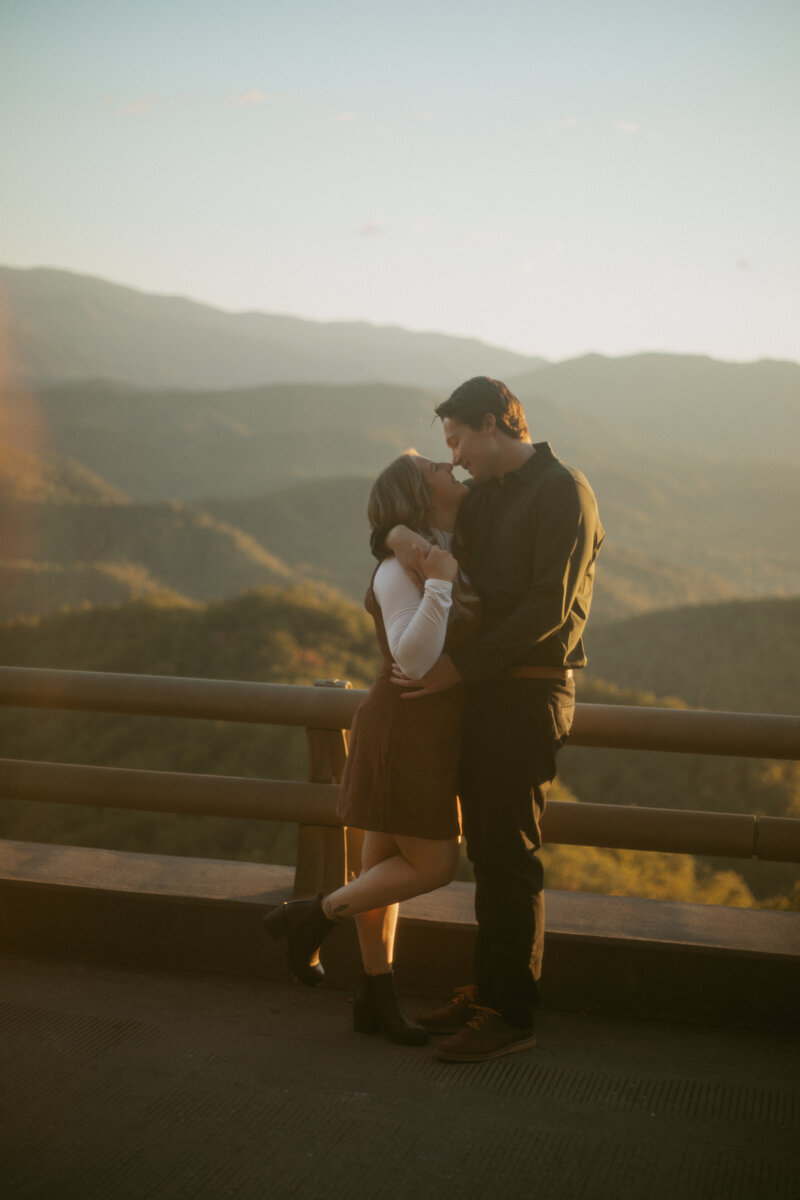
(419, 558)
(408, 548)
(436, 564)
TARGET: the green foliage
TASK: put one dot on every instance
(149, 833)
(742, 656)
(319, 528)
(57, 553)
(702, 782)
(633, 872)
(786, 903)
(293, 636)
(638, 873)
(32, 589)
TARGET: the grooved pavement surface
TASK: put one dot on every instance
(121, 1085)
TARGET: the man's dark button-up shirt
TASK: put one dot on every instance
(528, 544)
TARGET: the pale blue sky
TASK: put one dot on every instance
(557, 178)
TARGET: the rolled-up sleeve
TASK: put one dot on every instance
(416, 625)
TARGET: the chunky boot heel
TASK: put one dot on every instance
(304, 925)
(376, 1010)
(275, 924)
(363, 1020)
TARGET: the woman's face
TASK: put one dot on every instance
(445, 491)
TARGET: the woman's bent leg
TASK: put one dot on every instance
(395, 867)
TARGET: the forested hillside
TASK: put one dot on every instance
(69, 539)
(38, 588)
(47, 478)
(145, 548)
(687, 781)
(742, 655)
(320, 529)
(178, 445)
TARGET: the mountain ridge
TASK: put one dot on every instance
(67, 326)
(74, 551)
(690, 404)
(672, 537)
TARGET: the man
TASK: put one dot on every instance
(527, 537)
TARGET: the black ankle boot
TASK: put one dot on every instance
(304, 925)
(376, 1010)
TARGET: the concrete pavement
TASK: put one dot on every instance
(122, 1084)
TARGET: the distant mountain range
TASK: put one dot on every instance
(114, 490)
(165, 445)
(67, 327)
(63, 326)
(687, 405)
(320, 529)
(93, 546)
(733, 522)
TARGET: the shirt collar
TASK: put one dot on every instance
(529, 470)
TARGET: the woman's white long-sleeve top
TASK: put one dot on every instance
(415, 624)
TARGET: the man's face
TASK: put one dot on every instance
(472, 449)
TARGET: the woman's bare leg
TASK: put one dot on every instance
(376, 927)
(394, 867)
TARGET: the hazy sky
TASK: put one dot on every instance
(554, 177)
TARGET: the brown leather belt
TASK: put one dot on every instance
(538, 673)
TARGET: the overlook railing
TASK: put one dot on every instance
(327, 854)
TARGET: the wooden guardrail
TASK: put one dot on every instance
(326, 852)
(613, 726)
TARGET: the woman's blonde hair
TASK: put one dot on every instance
(400, 496)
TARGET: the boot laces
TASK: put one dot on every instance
(465, 992)
(482, 1016)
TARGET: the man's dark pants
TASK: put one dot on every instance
(512, 730)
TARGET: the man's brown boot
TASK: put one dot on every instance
(453, 1015)
(485, 1035)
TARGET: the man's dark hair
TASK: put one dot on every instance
(474, 400)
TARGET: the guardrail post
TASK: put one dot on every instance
(326, 857)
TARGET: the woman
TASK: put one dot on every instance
(399, 782)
